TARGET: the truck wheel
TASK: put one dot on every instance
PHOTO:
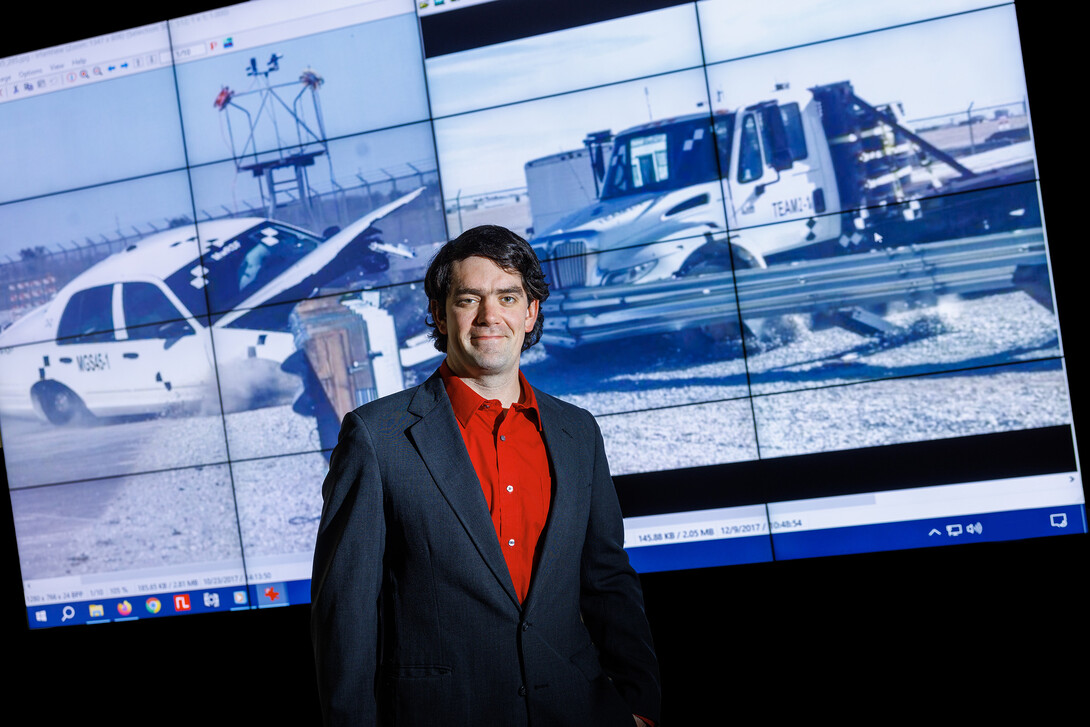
(718, 332)
(57, 403)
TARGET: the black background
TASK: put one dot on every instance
(940, 633)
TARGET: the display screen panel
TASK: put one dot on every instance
(802, 283)
(731, 30)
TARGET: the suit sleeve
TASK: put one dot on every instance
(347, 579)
(611, 599)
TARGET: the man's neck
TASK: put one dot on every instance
(505, 387)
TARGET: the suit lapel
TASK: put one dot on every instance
(563, 511)
(439, 442)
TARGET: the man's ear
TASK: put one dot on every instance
(531, 314)
(438, 314)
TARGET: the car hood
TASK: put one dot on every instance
(315, 260)
(31, 328)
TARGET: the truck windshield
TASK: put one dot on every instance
(671, 156)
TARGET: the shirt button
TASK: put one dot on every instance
(510, 488)
(511, 542)
(503, 437)
(522, 691)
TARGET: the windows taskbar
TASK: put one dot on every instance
(679, 552)
(680, 549)
(176, 603)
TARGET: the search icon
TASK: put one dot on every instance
(67, 612)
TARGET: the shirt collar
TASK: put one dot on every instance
(465, 401)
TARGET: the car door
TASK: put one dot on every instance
(87, 360)
(165, 352)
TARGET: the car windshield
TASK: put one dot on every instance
(671, 156)
(231, 270)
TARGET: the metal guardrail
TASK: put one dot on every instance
(913, 272)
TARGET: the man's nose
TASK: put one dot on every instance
(488, 312)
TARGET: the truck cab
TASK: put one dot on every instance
(701, 192)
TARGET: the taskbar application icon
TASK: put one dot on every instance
(271, 595)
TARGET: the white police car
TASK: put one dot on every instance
(137, 332)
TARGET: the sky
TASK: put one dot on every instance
(934, 67)
(127, 132)
(733, 29)
(373, 78)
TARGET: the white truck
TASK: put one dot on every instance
(803, 174)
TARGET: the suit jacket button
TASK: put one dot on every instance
(525, 626)
(522, 691)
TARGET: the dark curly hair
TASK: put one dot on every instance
(501, 246)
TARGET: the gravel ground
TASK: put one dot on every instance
(659, 406)
(1023, 396)
(37, 453)
(955, 334)
(127, 523)
(280, 503)
(269, 432)
(690, 436)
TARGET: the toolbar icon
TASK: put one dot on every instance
(1058, 519)
(953, 530)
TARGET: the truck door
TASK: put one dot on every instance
(776, 185)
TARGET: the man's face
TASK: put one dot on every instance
(486, 318)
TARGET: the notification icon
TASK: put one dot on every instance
(153, 605)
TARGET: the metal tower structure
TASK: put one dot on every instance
(282, 169)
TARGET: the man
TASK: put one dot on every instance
(469, 568)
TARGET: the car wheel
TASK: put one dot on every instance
(57, 403)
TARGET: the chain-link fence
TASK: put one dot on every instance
(35, 276)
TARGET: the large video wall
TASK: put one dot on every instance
(796, 252)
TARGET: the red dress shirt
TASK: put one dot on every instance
(509, 457)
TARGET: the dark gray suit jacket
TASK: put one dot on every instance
(415, 620)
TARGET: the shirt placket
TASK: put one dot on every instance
(507, 490)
